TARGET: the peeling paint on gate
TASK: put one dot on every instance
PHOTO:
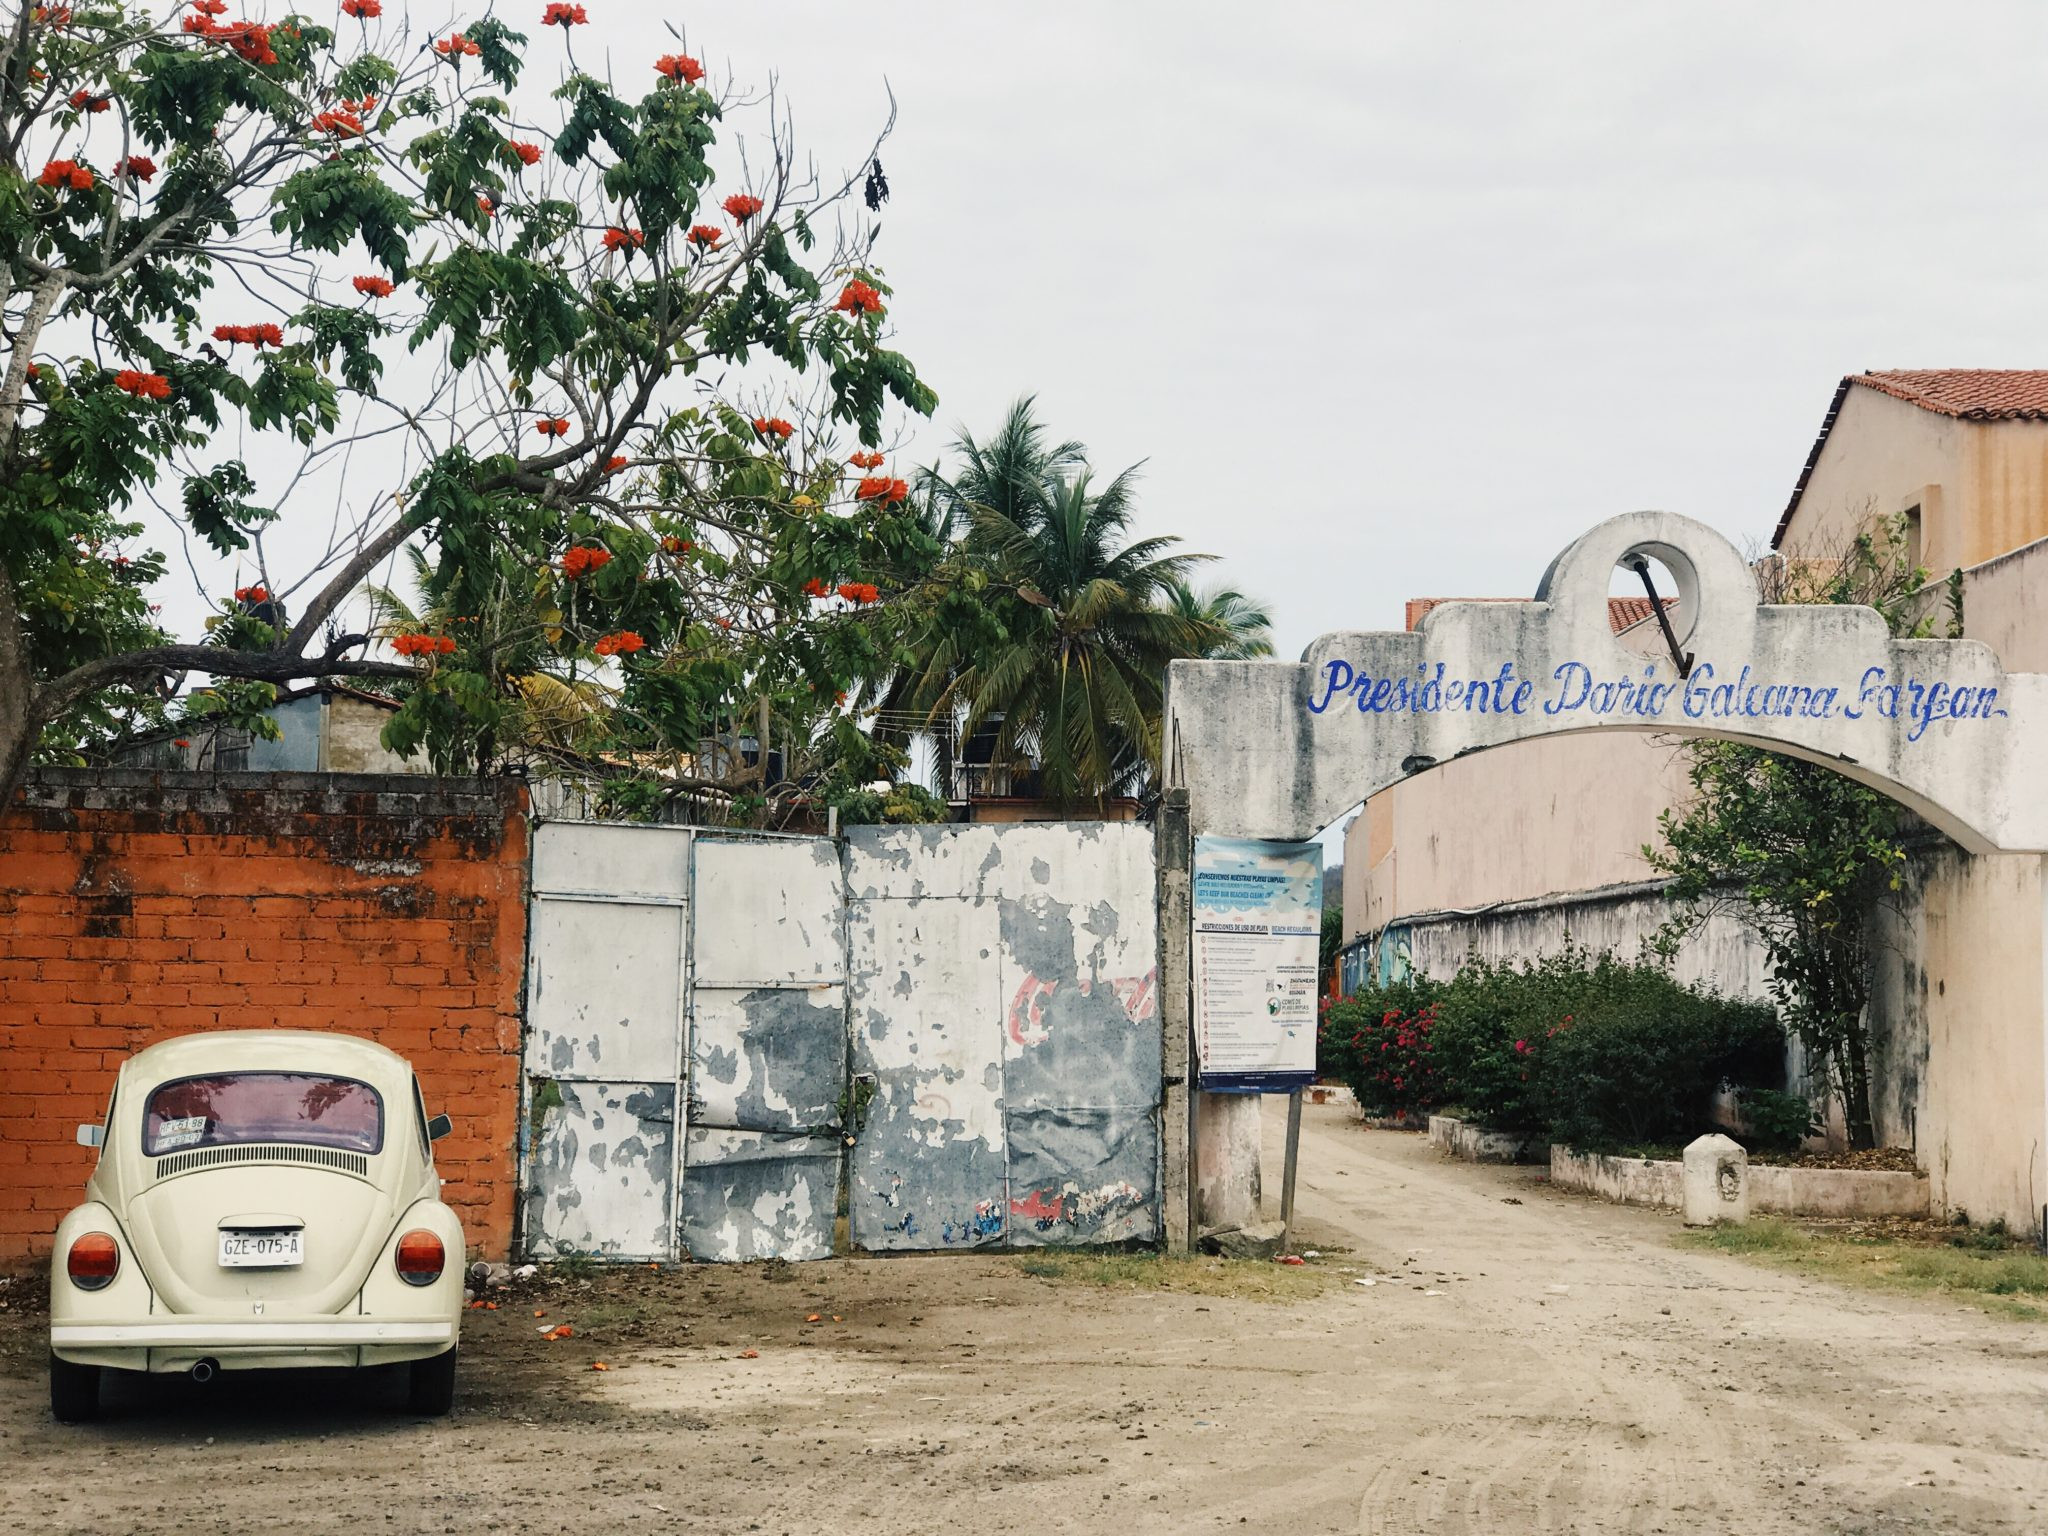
(998, 987)
(1002, 993)
(598, 1169)
(767, 1050)
(755, 1195)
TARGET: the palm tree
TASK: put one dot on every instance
(1242, 627)
(1078, 676)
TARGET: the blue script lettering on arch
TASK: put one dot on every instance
(1706, 695)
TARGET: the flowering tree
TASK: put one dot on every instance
(591, 370)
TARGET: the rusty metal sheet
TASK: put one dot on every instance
(926, 1004)
(604, 990)
(600, 1168)
(758, 1195)
(768, 1058)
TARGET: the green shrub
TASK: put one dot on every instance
(1778, 1122)
(1590, 1050)
(1640, 1060)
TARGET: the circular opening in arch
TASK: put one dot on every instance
(1653, 588)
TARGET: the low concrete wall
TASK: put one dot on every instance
(1475, 1143)
(1773, 1191)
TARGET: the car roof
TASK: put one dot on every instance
(267, 1050)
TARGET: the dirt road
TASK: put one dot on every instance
(1548, 1365)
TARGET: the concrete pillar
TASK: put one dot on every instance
(1175, 860)
(1716, 1182)
(1227, 1160)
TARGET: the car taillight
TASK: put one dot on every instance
(421, 1257)
(93, 1262)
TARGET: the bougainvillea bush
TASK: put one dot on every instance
(1594, 1051)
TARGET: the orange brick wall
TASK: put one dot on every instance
(135, 906)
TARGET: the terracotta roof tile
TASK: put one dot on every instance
(1967, 394)
(1622, 612)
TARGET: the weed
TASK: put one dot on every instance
(1981, 1265)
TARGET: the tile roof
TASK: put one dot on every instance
(1622, 612)
(1967, 394)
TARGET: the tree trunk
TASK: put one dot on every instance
(20, 721)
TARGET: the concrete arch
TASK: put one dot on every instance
(1279, 750)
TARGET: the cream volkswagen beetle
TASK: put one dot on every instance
(264, 1198)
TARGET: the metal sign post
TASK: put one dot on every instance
(1287, 1175)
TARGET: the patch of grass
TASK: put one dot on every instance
(1196, 1275)
(2002, 1277)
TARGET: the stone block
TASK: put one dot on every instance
(1716, 1182)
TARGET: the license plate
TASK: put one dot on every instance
(248, 1250)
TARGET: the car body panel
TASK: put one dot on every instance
(172, 1303)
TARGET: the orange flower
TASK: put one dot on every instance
(676, 546)
(859, 592)
(343, 125)
(137, 168)
(59, 173)
(144, 386)
(423, 645)
(258, 336)
(628, 240)
(742, 206)
(858, 298)
(615, 463)
(865, 460)
(374, 287)
(583, 559)
(256, 594)
(90, 101)
(485, 205)
(679, 66)
(552, 426)
(454, 46)
(816, 588)
(881, 488)
(624, 643)
(773, 426)
(563, 16)
(58, 17)
(529, 154)
(706, 235)
(362, 10)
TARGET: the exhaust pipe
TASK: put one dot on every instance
(202, 1371)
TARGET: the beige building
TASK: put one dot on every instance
(1514, 851)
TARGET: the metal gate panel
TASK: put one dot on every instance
(1081, 1072)
(601, 1169)
(605, 991)
(759, 1195)
(927, 1013)
(607, 957)
(767, 1049)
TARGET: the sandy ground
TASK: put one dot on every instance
(1545, 1363)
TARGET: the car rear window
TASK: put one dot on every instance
(308, 1109)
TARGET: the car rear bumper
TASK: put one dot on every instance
(284, 1333)
(159, 1344)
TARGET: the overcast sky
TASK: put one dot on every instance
(1394, 300)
